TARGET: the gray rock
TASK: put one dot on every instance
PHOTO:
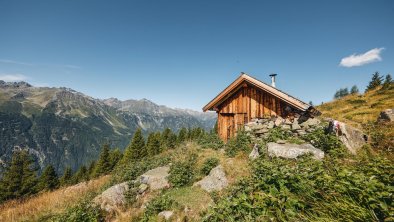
(166, 214)
(270, 124)
(247, 128)
(261, 121)
(301, 132)
(215, 181)
(292, 151)
(386, 116)
(255, 152)
(112, 198)
(279, 120)
(351, 137)
(295, 126)
(156, 178)
(281, 141)
(257, 127)
(261, 131)
(311, 122)
(286, 127)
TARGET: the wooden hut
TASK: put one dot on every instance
(248, 98)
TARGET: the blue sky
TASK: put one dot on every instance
(182, 53)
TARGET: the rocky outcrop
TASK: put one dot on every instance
(292, 151)
(215, 181)
(156, 178)
(386, 116)
(112, 198)
(351, 137)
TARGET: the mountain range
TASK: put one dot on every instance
(63, 127)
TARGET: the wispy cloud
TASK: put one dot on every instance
(8, 61)
(372, 55)
(13, 77)
(14, 62)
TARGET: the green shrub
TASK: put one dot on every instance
(83, 212)
(208, 165)
(276, 134)
(310, 190)
(241, 142)
(132, 192)
(327, 142)
(211, 141)
(182, 172)
(158, 205)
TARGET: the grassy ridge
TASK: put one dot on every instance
(359, 109)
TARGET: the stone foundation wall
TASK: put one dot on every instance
(299, 126)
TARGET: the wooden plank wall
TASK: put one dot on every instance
(247, 103)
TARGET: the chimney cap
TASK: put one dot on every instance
(273, 74)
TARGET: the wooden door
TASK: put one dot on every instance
(227, 126)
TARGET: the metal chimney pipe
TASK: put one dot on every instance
(273, 79)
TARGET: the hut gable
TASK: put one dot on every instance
(248, 98)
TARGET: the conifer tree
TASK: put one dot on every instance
(354, 90)
(182, 135)
(164, 138)
(172, 141)
(103, 165)
(153, 144)
(215, 127)
(115, 156)
(136, 149)
(66, 179)
(81, 175)
(92, 168)
(48, 179)
(387, 82)
(375, 81)
(19, 178)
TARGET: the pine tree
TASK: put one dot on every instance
(136, 149)
(103, 165)
(354, 90)
(19, 179)
(215, 127)
(387, 82)
(66, 179)
(92, 168)
(115, 156)
(182, 135)
(81, 175)
(153, 144)
(375, 81)
(48, 179)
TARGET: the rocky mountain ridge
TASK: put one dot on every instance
(63, 127)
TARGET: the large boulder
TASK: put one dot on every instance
(310, 122)
(156, 178)
(386, 116)
(215, 181)
(112, 198)
(351, 137)
(292, 151)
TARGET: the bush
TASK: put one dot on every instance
(158, 205)
(211, 141)
(241, 142)
(310, 190)
(83, 212)
(182, 172)
(327, 142)
(276, 134)
(208, 165)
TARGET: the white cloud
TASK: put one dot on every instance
(13, 77)
(372, 55)
(15, 62)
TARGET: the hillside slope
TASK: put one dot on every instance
(63, 127)
(359, 109)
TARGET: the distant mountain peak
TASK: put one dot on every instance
(20, 84)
